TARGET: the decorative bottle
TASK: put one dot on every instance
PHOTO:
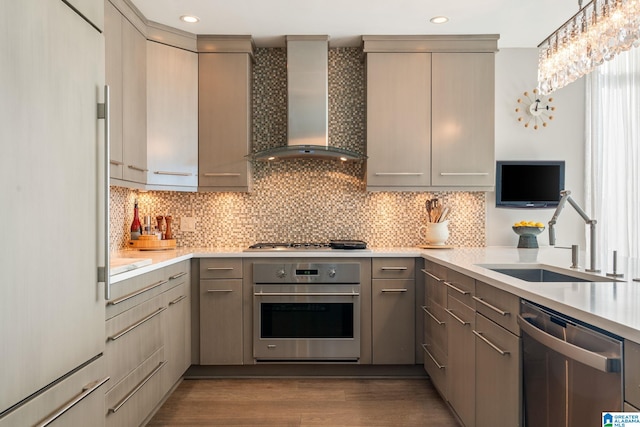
(136, 227)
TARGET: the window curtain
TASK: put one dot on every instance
(612, 156)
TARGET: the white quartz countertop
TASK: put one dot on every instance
(613, 306)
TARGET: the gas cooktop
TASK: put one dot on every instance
(310, 246)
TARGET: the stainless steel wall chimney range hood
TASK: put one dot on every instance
(307, 103)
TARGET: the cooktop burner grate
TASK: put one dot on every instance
(309, 246)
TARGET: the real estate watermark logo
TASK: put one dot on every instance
(620, 419)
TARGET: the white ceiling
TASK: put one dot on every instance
(520, 23)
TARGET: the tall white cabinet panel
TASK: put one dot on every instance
(172, 117)
(113, 75)
(463, 119)
(51, 80)
(398, 120)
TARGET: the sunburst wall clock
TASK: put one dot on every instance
(535, 110)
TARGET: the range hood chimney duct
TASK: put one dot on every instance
(307, 103)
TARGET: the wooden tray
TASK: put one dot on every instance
(152, 244)
(436, 246)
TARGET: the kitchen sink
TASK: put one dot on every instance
(545, 274)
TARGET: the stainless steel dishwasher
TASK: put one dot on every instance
(572, 372)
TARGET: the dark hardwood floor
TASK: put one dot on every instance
(304, 402)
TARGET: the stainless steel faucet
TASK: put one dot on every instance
(566, 196)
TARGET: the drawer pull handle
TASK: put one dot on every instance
(439, 366)
(136, 293)
(86, 391)
(175, 276)
(177, 300)
(492, 307)
(138, 168)
(455, 288)
(432, 316)
(116, 163)
(135, 325)
(393, 268)
(211, 291)
(306, 294)
(492, 345)
(172, 173)
(219, 268)
(397, 291)
(464, 323)
(433, 276)
(137, 388)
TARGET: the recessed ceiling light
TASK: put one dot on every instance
(189, 19)
(439, 20)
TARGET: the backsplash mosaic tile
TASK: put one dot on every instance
(303, 200)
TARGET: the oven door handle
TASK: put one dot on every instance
(306, 294)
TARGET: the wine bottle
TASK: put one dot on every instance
(136, 227)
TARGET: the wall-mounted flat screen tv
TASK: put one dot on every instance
(529, 184)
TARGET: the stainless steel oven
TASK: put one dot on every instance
(304, 312)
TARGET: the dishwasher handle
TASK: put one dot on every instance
(595, 360)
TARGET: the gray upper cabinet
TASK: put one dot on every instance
(126, 74)
(462, 135)
(224, 111)
(172, 118)
(398, 120)
(430, 112)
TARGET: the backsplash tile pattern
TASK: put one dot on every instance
(304, 200)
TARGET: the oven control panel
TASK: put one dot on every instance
(333, 272)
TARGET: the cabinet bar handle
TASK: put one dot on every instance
(103, 271)
(393, 268)
(219, 290)
(172, 173)
(86, 391)
(135, 325)
(219, 268)
(492, 307)
(177, 300)
(394, 290)
(304, 294)
(116, 162)
(432, 316)
(464, 323)
(137, 388)
(220, 174)
(455, 288)
(398, 173)
(138, 168)
(464, 173)
(136, 293)
(433, 276)
(492, 345)
(175, 276)
(439, 366)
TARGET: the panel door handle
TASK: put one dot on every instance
(398, 173)
(172, 173)
(490, 306)
(438, 365)
(433, 276)
(463, 322)
(220, 174)
(138, 168)
(438, 321)
(135, 325)
(457, 289)
(492, 345)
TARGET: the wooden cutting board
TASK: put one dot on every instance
(152, 244)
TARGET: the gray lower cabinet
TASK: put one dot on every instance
(221, 308)
(462, 360)
(472, 347)
(147, 342)
(631, 374)
(393, 311)
(435, 343)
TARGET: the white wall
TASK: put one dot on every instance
(562, 139)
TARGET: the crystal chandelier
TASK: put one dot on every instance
(598, 32)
